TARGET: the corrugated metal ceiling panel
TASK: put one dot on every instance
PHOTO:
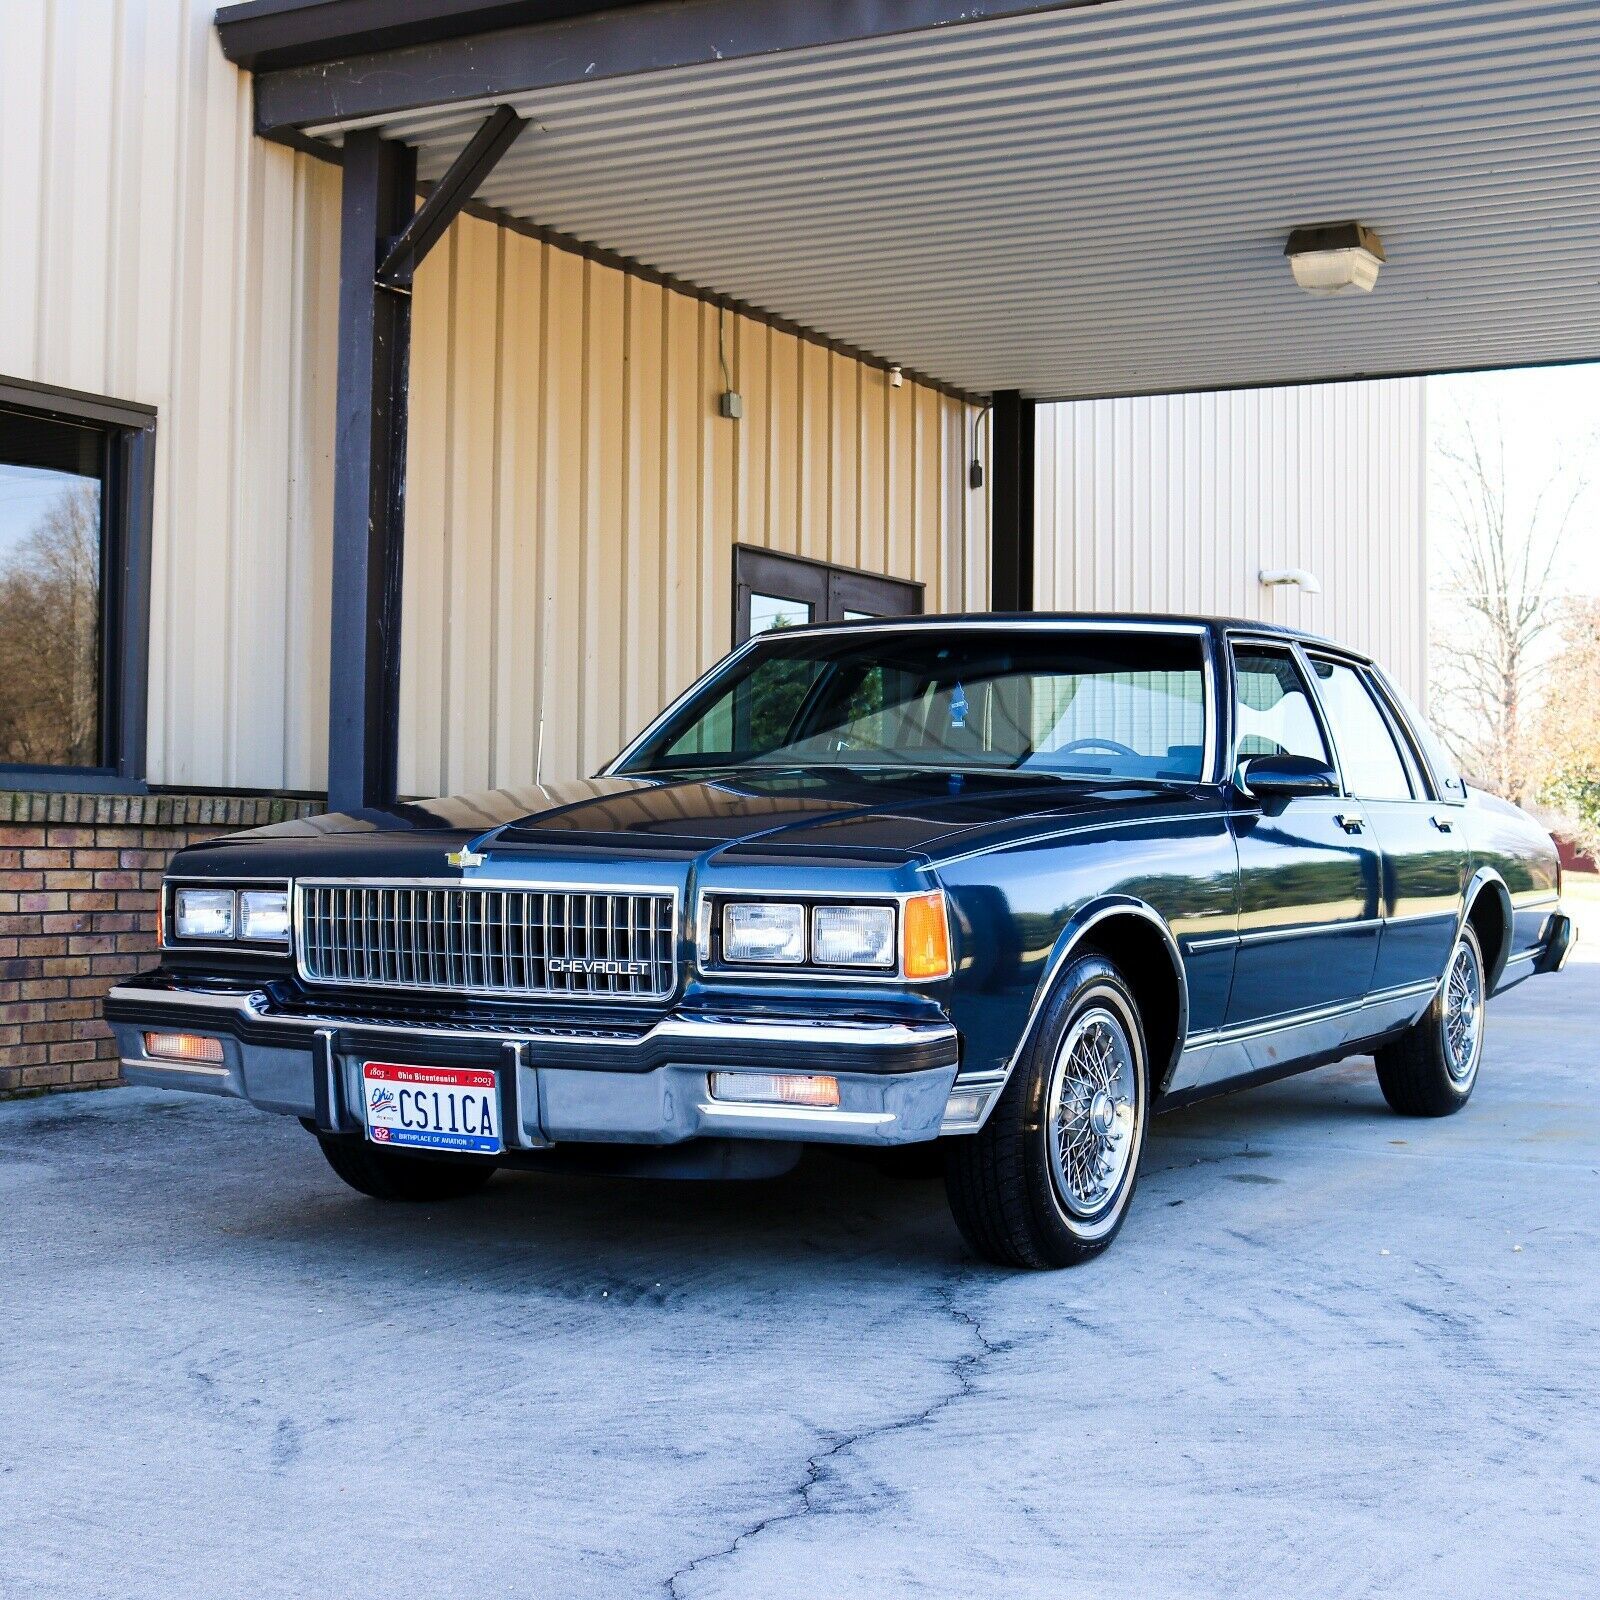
(1091, 202)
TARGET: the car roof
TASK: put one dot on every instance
(1132, 620)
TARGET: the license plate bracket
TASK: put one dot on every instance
(448, 1109)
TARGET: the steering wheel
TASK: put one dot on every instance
(1076, 745)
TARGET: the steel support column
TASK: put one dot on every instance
(1011, 504)
(369, 477)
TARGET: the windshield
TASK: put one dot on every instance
(1089, 704)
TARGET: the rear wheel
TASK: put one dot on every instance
(1430, 1069)
(391, 1175)
(1048, 1179)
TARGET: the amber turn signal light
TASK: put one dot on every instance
(925, 937)
(183, 1047)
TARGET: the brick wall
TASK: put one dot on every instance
(78, 882)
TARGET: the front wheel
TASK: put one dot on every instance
(1430, 1069)
(392, 1175)
(1047, 1181)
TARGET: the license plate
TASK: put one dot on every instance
(432, 1108)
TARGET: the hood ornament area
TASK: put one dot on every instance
(465, 857)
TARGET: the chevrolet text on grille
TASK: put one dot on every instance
(572, 941)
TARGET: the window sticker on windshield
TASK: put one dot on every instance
(958, 707)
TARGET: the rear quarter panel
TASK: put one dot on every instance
(1505, 842)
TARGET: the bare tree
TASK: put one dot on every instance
(1500, 585)
(50, 636)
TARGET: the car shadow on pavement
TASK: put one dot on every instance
(625, 1238)
(580, 1236)
(254, 1183)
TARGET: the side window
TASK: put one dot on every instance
(1372, 763)
(1274, 706)
(1447, 778)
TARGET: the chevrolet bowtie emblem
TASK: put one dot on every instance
(465, 858)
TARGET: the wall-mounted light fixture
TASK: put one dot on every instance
(1289, 578)
(896, 377)
(1335, 256)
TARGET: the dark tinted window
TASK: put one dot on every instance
(1078, 704)
(772, 590)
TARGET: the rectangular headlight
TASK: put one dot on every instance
(203, 913)
(264, 915)
(760, 931)
(853, 936)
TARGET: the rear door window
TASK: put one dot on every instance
(1373, 766)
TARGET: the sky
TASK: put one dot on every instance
(1549, 420)
(27, 495)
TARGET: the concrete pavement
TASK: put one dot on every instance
(1332, 1353)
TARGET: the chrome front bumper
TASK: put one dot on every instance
(649, 1087)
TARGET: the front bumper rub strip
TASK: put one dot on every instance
(884, 1046)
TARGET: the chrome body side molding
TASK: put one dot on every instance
(1238, 1052)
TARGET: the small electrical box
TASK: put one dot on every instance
(731, 404)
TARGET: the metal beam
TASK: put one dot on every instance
(444, 203)
(369, 475)
(610, 43)
(1011, 524)
(262, 34)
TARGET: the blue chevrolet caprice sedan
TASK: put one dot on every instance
(1000, 888)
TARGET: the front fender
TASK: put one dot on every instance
(1118, 923)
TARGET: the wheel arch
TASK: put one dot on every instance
(1135, 938)
(1487, 906)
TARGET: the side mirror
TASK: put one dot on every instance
(1286, 777)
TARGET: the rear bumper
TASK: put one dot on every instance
(647, 1087)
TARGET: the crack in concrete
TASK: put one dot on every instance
(962, 1369)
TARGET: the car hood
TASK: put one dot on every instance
(883, 816)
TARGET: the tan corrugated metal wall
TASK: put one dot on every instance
(575, 498)
(569, 474)
(1176, 503)
(153, 249)
(571, 481)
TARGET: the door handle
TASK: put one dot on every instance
(1350, 821)
(1443, 824)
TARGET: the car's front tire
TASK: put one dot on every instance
(1048, 1179)
(393, 1175)
(1429, 1071)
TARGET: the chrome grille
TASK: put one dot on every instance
(468, 939)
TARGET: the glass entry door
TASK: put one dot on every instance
(780, 591)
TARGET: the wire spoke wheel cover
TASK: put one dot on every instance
(1462, 1020)
(1093, 1113)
